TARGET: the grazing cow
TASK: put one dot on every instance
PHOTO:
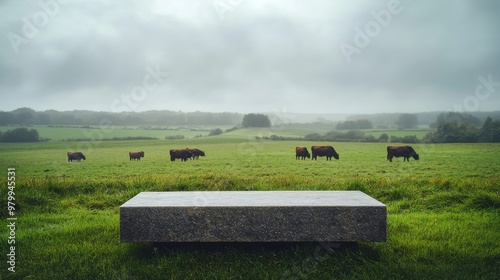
(301, 152)
(182, 154)
(196, 153)
(75, 156)
(401, 151)
(136, 155)
(322, 151)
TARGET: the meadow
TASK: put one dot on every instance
(443, 210)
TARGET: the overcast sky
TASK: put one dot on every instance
(318, 56)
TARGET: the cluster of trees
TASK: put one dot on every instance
(490, 132)
(256, 120)
(393, 120)
(463, 128)
(215, 131)
(397, 120)
(456, 117)
(174, 137)
(79, 117)
(20, 135)
(407, 121)
(402, 121)
(356, 124)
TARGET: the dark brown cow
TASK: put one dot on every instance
(302, 153)
(401, 151)
(75, 156)
(182, 154)
(196, 153)
(322, 151)
(136, 155)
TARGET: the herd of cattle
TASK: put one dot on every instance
(328, 151)
(300, 153)
(182, 154)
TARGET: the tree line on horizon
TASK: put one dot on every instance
(451, 127)
(28, 116)
(148, 118)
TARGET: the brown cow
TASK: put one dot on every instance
(401, 151)
(302, 153)
(182, 154)
(75, 156)
(196, 153)
(136, 155)
(322, 151)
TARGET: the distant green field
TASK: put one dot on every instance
(443, 210)
(97, 133)
(268, 131)
(301, 132)
(420, 133)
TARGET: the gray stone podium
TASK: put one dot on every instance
(253, 216)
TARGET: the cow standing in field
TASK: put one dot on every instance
(323, 151)
(78, 156)
(302, 153)
(196, 153)
(401, 151)
(136, 155)
(182, 154)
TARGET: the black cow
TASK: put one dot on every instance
(302, 153)
(196, 153)
(182, 154)
(401, 151)
(322, 151)
(75, 156)
(136, 155)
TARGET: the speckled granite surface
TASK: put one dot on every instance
(253, 216)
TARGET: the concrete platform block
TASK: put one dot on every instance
(253, 216)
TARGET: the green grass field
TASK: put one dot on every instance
(443, 210)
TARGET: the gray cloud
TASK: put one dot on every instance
(253, 56)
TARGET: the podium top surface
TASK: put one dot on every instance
(253, 199)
